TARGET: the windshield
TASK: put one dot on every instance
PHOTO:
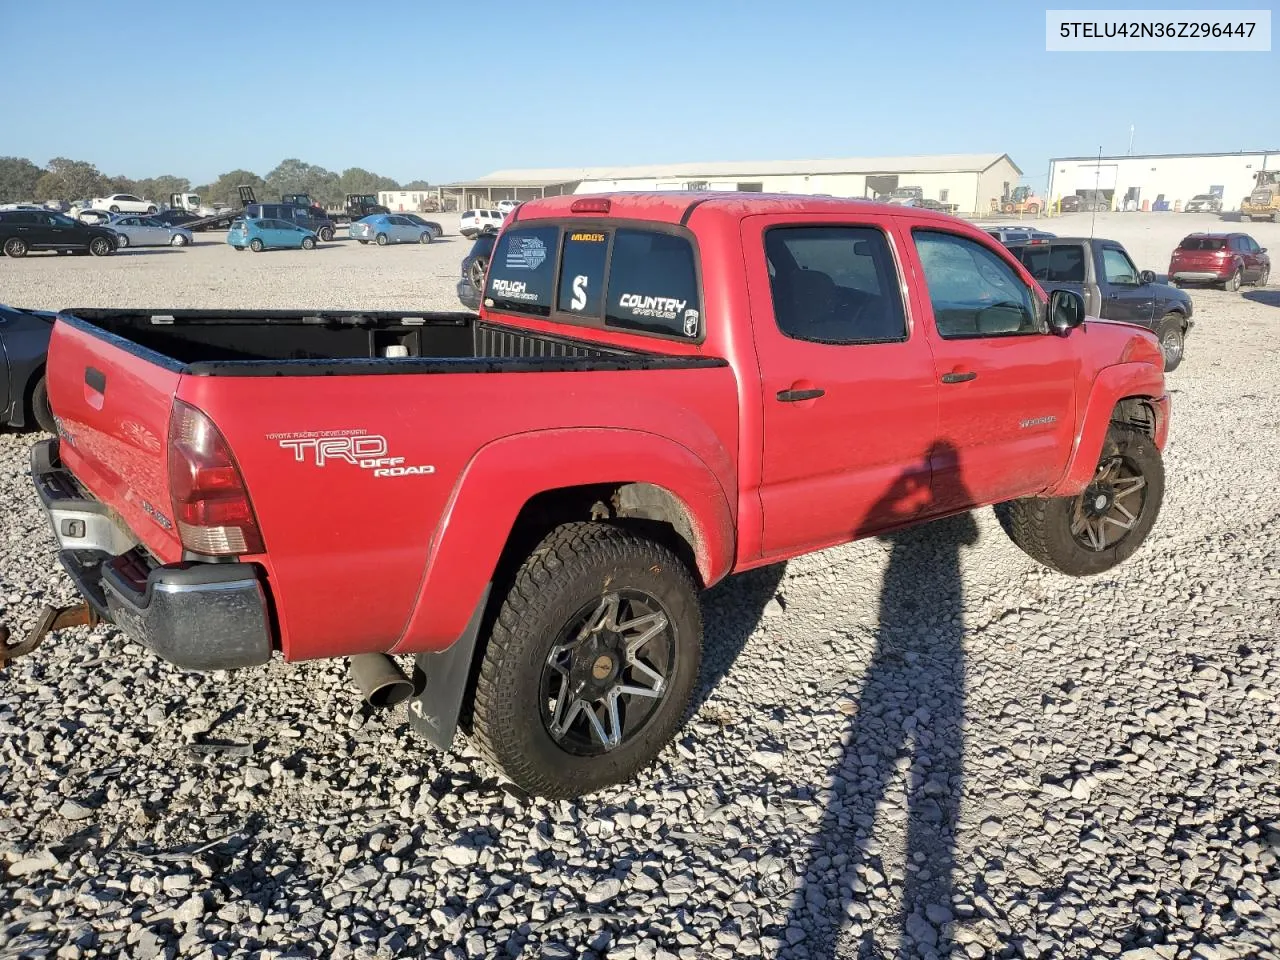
(1204, 243)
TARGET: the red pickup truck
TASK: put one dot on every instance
(659, 390)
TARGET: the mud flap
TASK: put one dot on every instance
(443, 678)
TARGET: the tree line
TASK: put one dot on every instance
(65, 179)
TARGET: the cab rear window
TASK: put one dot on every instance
(628, 278)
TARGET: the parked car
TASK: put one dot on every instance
(539, 541)
(258, 234)
(506, 206)
(174, 217)
(475, 222)
(384, 228)
(1071, 203)
(24, 345)
(474, 267)
(30, 231)
(437, 231)
(90, 216)
(1113, 288)
(1229, 259)
(123, 203)
(1015, 234)
(1203, 203)
(148, 232)
(305, 215)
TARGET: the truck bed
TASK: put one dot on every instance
(278, 343)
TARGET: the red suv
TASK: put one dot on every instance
(1226, 258)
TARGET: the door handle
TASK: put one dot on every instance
(958, 377)
(95, 379)
(791, 396)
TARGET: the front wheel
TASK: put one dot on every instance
(590, 664)
(152, 211)
(426, 237)
(308, 243)
(1101, 527)
(1172, 341)
(256, 245)
(40, 410)
(1263, 277)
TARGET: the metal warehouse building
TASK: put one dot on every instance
(1156, 180)
(969, 181)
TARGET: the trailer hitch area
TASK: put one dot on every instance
(50, 619)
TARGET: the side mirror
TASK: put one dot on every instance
(1066, 311)
(1146, 276)
(1262, 249)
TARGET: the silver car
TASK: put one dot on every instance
(136, 230)
(384, 228)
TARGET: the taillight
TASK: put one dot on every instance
(210, 503)
(600, 205)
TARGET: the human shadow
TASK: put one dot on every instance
(908, 722)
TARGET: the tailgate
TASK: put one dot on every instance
(112, 401)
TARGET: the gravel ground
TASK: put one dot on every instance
(922, 746)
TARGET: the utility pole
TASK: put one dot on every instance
(1131, 139)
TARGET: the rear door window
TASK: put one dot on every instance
(1053, 263)
(522, 270)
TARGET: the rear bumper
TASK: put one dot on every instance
(201, 616)
(1199, 276)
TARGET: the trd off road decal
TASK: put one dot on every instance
(368, 451)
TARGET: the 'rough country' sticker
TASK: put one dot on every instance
(526, 253)
(513, 290)
(367, 451)
(662, 308)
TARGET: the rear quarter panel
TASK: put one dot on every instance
(351, 555)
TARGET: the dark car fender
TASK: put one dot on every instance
(24, 347)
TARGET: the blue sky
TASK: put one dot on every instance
(445, 91)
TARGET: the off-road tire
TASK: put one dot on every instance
(574, 564)
(40, 411)
(15, 247)
(1041, 526)
(1170, 332)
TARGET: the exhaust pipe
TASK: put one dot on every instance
(380, 679)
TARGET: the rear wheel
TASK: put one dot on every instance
(591, 663)
(256, 245)
(426, 237)
(100, 246)
(326, 234)
(1233, 282)
(1103, 526)
(178, 240)
(151, 210)
(381, 239)
(115, 209)
(1172, 341)
(476, 271)
(308, 243)
(15, 247)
